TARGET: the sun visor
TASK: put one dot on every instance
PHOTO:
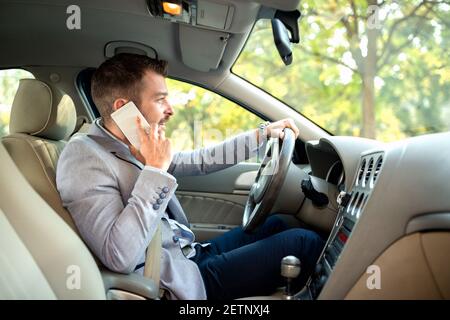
(201, 49)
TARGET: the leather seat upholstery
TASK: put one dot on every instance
(42, 119)
(40, 256)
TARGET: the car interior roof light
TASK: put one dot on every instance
(172, 7)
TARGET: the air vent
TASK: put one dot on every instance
(356, 206)
(369, 171)
(352, 202)
(361, 172)
(360, 205)
(377, 169)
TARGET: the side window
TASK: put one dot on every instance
(9, 82)
(203, 118)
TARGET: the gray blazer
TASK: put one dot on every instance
(112, 201)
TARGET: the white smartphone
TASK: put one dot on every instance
(125, 118)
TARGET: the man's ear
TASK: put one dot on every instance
(118, 103)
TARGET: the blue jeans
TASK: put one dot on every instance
(237, 264)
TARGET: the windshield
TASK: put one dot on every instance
(377, 71)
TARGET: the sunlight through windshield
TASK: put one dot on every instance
(379, 71)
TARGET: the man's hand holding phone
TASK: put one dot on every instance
(155, 149)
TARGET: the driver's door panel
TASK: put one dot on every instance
(215, 203)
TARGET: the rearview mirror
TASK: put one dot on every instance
(282, 41)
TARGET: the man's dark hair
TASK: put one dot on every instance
(121, 77)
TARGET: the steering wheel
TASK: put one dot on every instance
(269, 179)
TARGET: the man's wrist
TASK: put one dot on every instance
(261, 132)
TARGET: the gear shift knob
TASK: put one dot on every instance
(290, 269)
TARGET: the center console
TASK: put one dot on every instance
(350, 209)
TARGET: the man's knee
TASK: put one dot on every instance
(308, 241)
(276, 222)
(316, 242)
(312, 236)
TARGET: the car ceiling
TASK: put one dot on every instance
(34, 33)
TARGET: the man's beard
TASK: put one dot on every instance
(163, 121)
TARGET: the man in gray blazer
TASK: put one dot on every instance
(118, 195)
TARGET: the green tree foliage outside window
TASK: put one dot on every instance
(377, 69)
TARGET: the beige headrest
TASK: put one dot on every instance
(42, 110)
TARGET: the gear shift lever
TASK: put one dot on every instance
(290, 269)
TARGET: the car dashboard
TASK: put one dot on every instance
(380, 193)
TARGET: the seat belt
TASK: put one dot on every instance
(152, 267)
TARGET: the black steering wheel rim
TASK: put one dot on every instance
(269, 180)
